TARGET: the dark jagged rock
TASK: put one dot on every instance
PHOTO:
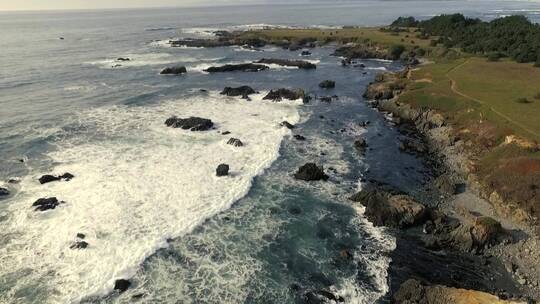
(386, 86)
(299, 137)
(199, 43)
(287, 125)
(79, 245)
(383, 209)
(301, 64)
(242, 67)
(123, 59)
(413, 146)
(44, 204)
(191, 123)
(310, 172)
(322, 297)
(81, 235)
(305, 53)
(52, 178)
(222, 170)
(327, 84)
(280, 94)
(235, 142)
(445, 185)
(121, 285)
(177, 70)
(360, 144)
(226, 133)
(327, 99)
(243, 91)
(4, 192)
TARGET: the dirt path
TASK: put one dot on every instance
(454, 89)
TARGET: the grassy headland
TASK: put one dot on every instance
(492, 104)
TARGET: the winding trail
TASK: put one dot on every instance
(455, 89)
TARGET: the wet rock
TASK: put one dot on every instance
(235, 142)
(412, 145)
(301, 64)
(445, 185)
(79, 245)
(360, 144)
(327, 84)
(200, 43)
(287, 125)
(280, 94)
(311, 172)
(191, 123)
(4, 192)
(177, 70)
(81, 235)
(52, 178)
(123, 59)
(322, 297)
(44, 204)
(305, 53)
(299, 137)
(243, 91)
(242, 67)
(222, 170)
(384, 209)
(226, 133)
(122, 285)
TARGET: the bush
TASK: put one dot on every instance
(396, 51)
(494, 56)
(523, 100)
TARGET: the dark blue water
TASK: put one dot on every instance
(64, 106)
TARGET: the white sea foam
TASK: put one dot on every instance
(136, 60)
(377, 68)
(137, 183)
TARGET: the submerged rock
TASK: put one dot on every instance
(360, 144)
(299, 137)
(222, 170)
(177, 70)
(191, 123)
(122, 285)
(280, 94)
(383, 209)
(44, 204)
(287, 125)
(242, 67)
(52, 178)
(4, 192)
(79, 245)
(327, 84)
(243, 91)
(305, 53)
(235, 142)
(310, 172)
(301, 64)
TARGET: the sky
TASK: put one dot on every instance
(94, 4)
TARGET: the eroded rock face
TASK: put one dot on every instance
(242, 67)
(301, 64)
(383, 209)
(280, 94)
(191, 123)
(327, 84)
(44, 204)
(414, 292)
(243, 91)
(310, 172)
(177, 70)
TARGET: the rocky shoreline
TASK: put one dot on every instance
(463, 243)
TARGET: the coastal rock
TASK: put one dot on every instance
(413, 145)
(177, 70)
(287, 125)
(305, 53)
(386, 86)
(79, 245)
(383, 209)
(191, 123)
(310, 172)
(283, 93)
(362, 51)
(360, 144)
(327, 84)
(200, 43)
(122, 285)
(222, 170)
(4, 192)
(445, 185)
(414, 292)
(301, 64)
(235, 142)
(243, 91)
(52, 178)
(242, 67)
(299, 137)
(123, 59)
(322, 297)
(81, 235)
(44, 204)
(327, 99)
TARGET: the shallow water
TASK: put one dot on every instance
(146, 196)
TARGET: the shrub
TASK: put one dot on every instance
(396, 51)
(523, 100)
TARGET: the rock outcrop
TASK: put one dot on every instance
(287, 125)
(4, 192)
(384, 209)
(222, 170)
(176, 70)
(310, 172)
(52, 178)
(235, 142)
(191, 123)
(243, 91)
(301, 64)
(242, 67)
(44, 204)
(122, 285)
(386, 86)
(280, 94)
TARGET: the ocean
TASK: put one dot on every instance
(146, 196)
